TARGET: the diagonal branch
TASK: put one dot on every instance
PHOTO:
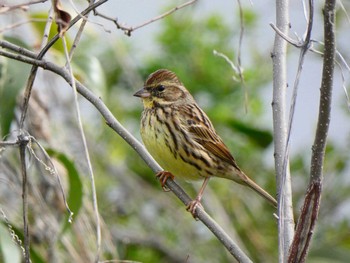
(309, 213)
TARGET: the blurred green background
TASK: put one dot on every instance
(139, 221)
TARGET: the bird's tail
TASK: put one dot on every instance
(250, 183)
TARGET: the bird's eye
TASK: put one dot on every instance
(160, 88)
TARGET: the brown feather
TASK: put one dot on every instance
(211, 142)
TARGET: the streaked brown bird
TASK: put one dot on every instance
(182, 139)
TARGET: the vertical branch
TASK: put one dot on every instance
(309, 213)
(285, 213)
(23, 141)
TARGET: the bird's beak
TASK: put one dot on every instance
(142, 93)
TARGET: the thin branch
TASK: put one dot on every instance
(86, 151)
(47, 28)
(18, 24)
(283, 181)
(10, 143)
(129, 30)
(23, 141)
(339, 64)
(239, 53)
(111, 121)
(304, 48)
(311, 206)
(51, 168)
(24, 6)
(17, 49)
(82, 133)
(285, 37)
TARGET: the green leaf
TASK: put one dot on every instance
(34, 256)
(262, 138)
(9, 251)
(75, 191)
(39, 28)
(13, 75)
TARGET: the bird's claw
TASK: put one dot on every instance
(163, 177)
(192, 206)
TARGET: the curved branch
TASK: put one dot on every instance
(111, 121)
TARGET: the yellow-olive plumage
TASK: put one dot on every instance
(180, 136)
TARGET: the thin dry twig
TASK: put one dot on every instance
(128, 30)
(51, 168)
(305, 45)
(47, 28)
(23, 140)
(86, 151)
(239, 53)
(23, 6)
(17, 49)
(18, 24)
(340, 64)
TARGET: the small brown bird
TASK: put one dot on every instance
(182, 139)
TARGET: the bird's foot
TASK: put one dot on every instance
(192, 206)
(163, 177)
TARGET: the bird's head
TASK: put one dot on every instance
(163, 88)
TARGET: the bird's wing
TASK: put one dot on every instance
(208, 138)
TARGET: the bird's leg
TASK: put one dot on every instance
(191, 206)
(163, 177)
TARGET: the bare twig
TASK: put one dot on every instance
(129, 30)
(17, 49)
(23, 141)
(82, 133)
(17, 24)
(285, 37)
(304, 48)
(51, 168)
(111, 121)
(239, 53)
(86, 151)
(24, 6)
(10, 143)
(311, 206)
(47, 28)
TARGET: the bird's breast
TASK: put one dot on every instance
(165, 141)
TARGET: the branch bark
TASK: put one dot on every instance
(311, 206)
(285, 212)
